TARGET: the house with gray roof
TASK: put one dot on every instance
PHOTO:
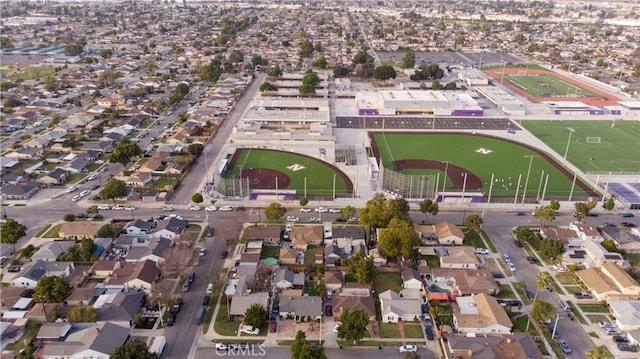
(170, 228)
(395, 307)
(240, 303)
(77, 165)
(19, 191)
(297, 307)
(31, 275)
(138, 227)
(286, 279)
(53, 332)
(121, 308)
(97, 341)
(155, 251)
(49, 252)
(56, 177)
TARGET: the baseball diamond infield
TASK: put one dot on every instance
(290, 169)
(604, 99)
(409, 151)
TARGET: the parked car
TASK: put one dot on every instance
(498, 275)
(626, 347)
(582, 295)
(619, 339)
(14, 269)
(532, 259)
(292, 219)
(225, 208)
(192, 277)
(82, 216)
(305, 210)
(195, 208)
(203, 252)
(225, 346)
(168, 209)
(512, 267)
(249, 329)
(328, 310)
(564, 346)
(205, 300)
(506, 258)
(98, 216)
(514, 303)
(334, 210)
(341, 220)
(611, 331)
(431, 334)
(482, 251)
(519, 244)
(320, 210)
(210, 208)
(172, 319)
(520, 214)
(627, 224)
(72, 189)
(408, 349)
(628, 215)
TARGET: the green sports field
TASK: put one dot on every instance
(505, 160)
(539, 86)
(595, 145)
(318, 174)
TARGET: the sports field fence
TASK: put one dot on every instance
(407, 185)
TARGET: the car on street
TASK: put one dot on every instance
(206, 299)
(210, 208)
(72, 189)
(628, 215)
(305, 210)
(512, 267)
(195, 208)
(497, 275)
(224, 254)
(619, 339)
(627, 224)
(320, 210)
(564, 346)
(129, 208)
(76, 198)
(225, 208)
(431, 334)
(518, 244)
(626, 347)
(582, 295)
(482, 251)
(92, 177)
(408, 349)
(85, 192)
(203, 252)
(532, 259)
(292, 219)
(520, 214)
(168, 209)
(225, 346)
(334, 210)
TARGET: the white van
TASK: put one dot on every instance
(565, 306)
(210, 288)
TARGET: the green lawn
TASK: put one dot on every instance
(387, 280)
(566, 279)
(270, 251)
(520, 325)
(413, 331)
(595, 318)
(520, 288)
(617, 150)
(549, 279)
(505, 292)
(539, 85)
(432, 261)
(594, 308)
(319, 176)
(309, 255)
(33, 72)
(506, 162)
(222, 325)
(161, 182)
(53, 232)
(388, 330)
(42, 231)
(576, 313)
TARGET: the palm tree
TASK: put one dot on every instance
(541, 283)
(598, 352)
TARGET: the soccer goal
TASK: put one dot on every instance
(594, 140)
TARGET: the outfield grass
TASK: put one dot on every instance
(318, 175)
(617, 150)
(540, 86)
(506, 162)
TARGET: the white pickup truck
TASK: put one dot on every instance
(249, 329)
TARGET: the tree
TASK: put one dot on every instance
(275, 211)
(542, 311)
(11, 231)
(398, 238)
(551, 247)
(82, 314)
(609, 204)
(82, 251)
(195, 149)
(429, 206)
(554, 204)
(124, 151)
(544, 214)
(133, 349)
(583, 209)
(69, 217)
(379, 211)
(541, 283)
(320, 62)
(300, 348)
(610, 245)
(354, 325)
(275, 71)
(304, 201)
(113, 189)
(598, 352)
(348, 212)
(306, 89)
(409, 60)
(524, 233)
(255, 315)
(310, 78)
(473, 223)
(362, 267)
(197, 198)
(107, 231)
(51, 289)
(384, 72)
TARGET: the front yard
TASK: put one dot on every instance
(389, 330)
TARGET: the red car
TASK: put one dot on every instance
(273, 326)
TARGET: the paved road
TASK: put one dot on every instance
(285, 352)
(195, 180)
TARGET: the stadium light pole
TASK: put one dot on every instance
(566, 151)
(446, 168)
(526, 180)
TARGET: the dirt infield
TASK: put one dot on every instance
(455, 173)
(265, 178)
(607, 100)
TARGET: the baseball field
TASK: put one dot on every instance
(479, 157)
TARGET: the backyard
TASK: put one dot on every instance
(383, 281)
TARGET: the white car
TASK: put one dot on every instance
(203, 252)
(605, 324)
(195, 208)
(292, 219)
(76, 198)
(506, 258)
(92, 177)
(408, 349)
(225, 208)
(167, 209)
(225, 346)
(482, 251)
(210, 208)
(72, 189)
(305, 210)
(129, 208)
(85, 192)
(314, 219)
(118, 206)
(104, 207)
(320, 210)
(334, 210)
(249, 329)
(512, 267)
(560, 268)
